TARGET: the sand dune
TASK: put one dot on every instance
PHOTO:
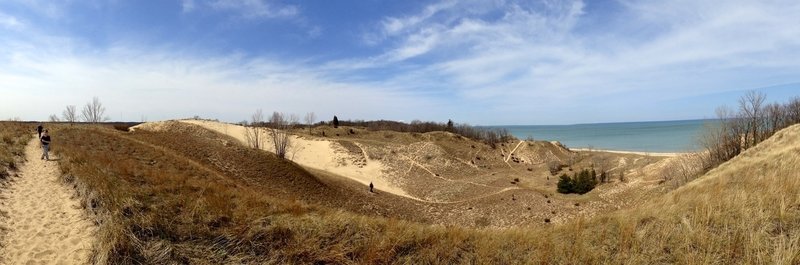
(313, 153)
(43, 221)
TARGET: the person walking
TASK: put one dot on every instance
(45, 139)
(39, 129)
(370, 187)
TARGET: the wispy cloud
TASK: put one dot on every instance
(51, 9)
(187, 5)
(247, 9)
(488, 62)
(10, 22)
(546, 52)
(165, 84)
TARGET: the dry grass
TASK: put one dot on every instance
(13, 138)
(159, 207)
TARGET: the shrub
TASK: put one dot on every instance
(581, 182)
(555, 167)
(565, 184)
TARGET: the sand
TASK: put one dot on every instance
(318, 154)
(41, 218)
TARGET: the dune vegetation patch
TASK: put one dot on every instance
(13, 138)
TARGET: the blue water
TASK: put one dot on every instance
(657, 136)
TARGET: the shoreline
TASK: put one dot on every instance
(662, 154)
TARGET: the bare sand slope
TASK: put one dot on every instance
(311, 153)
(42, 220)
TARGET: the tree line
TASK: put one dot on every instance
(740, 129)
(490, 136)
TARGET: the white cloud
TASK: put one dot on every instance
(10, 22)
(187, 6)
(52, 9)
(255, 9)
(40, 80)
(245, 9)
(393, 25)
(548, 51)
(477, 61)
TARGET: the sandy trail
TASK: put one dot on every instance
(42, 220)
(514, 150)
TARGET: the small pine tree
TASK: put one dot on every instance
(565, 184)
(335, 122)
(581, 181)
(584, 181)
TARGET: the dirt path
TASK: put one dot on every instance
(41, 220)
(512, 151)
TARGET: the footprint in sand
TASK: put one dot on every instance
(43, 254)
(42, 224)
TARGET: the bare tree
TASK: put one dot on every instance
(754, 122)
(281, 139)
(293, 120)
(309, 119)
(254, 136)
(775, 118)
(94, 111)
(683, 169)
(793, 111)
(54, 118)
(723, 139)
(70, 114)
(751, 110)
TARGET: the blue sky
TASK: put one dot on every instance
(478, 62)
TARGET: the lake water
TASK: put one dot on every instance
(656, 136)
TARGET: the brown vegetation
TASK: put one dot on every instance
(161, 209)
(13, 138)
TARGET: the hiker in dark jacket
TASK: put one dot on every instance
(45, 145)
(39, 129)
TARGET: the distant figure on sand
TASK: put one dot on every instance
(370, 187)
(39, 129)
(45, 139)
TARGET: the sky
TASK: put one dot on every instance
(491, 62)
